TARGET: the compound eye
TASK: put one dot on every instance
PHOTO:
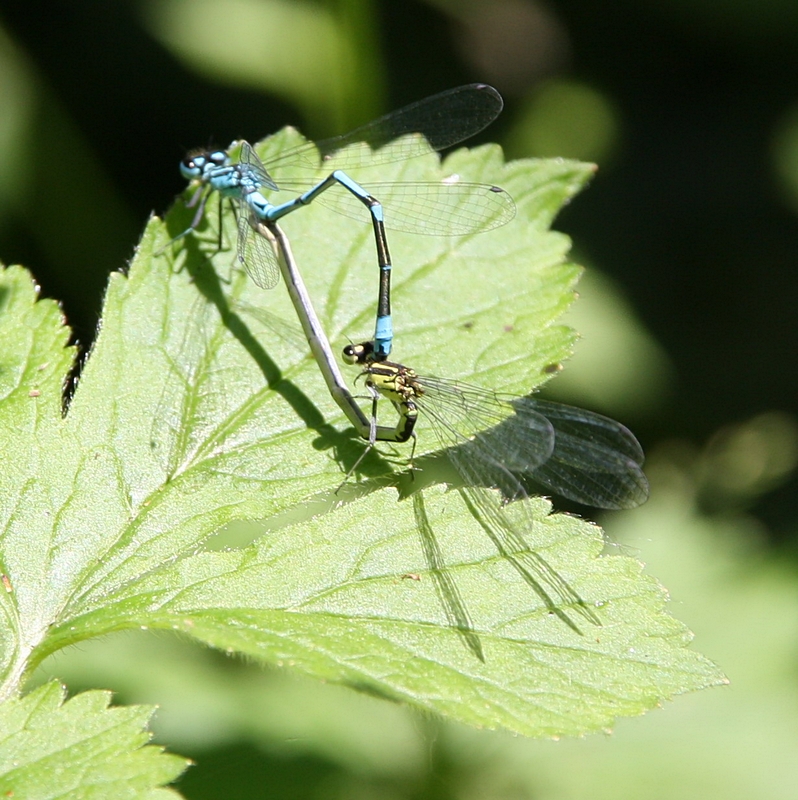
(192, 163)
(218, 157)
(350, 354)
(196, 163)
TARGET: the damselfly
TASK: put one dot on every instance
(506, 443)
(450, 206)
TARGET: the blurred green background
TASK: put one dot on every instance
(688, 316)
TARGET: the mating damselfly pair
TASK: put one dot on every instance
(495, 444)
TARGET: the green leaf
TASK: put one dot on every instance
(80, 749)
(192, 414)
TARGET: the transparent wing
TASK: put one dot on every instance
(252, 169)
(430, 208)
(448, 207)
(443, 120)
(486, 437)
(595, 460)
(254, 251)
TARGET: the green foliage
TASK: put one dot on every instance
(192, 415)
(324, 58)
(78, 749)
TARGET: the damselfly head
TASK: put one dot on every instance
(198, 162)
(360, 353)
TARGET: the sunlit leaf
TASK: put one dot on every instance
(191, 414)
(80, 748)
